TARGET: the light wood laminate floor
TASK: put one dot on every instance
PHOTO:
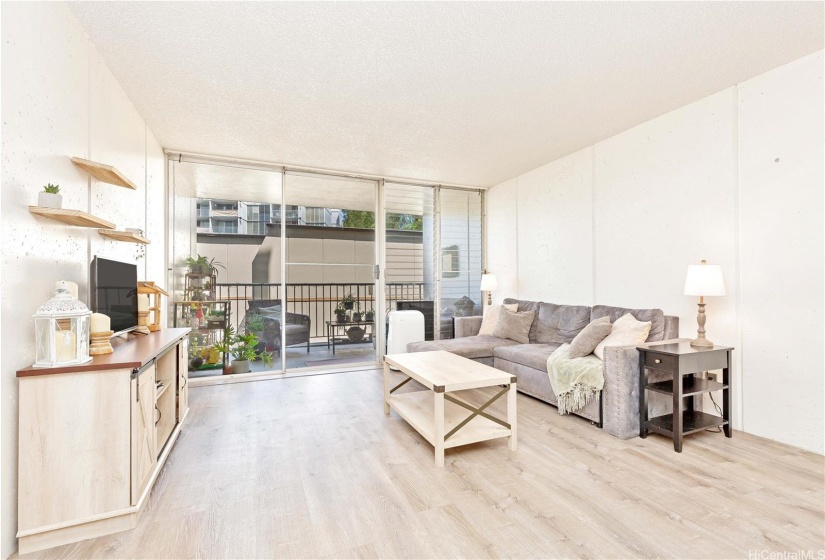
(310, 467)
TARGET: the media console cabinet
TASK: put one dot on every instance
(94, 437)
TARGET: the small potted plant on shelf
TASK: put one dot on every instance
(215, 319)
(50, 197)
(356, 316)
(369, 315)
(199, 268)
(348, 302)
(340, 313)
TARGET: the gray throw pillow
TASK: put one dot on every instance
(514, 325)
(589, 337)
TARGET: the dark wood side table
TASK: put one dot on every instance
(682, 361)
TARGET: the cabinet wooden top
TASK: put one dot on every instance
(133, 351)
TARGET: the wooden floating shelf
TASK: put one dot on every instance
(104, 173)
(71, 217)
(127, 236)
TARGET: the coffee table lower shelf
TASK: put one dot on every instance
(417, 409)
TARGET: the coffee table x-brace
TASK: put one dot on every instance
(444, 420)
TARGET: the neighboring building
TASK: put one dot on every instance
(252, 218)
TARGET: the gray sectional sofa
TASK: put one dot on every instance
(617, 409)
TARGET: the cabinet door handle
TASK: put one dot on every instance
(657, 361)
(160, 415)
(185, 381)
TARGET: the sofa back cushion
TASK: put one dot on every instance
(514, 325)
(655, 316)
(558, 324)
(525, 305)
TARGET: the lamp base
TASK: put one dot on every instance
(701, 343)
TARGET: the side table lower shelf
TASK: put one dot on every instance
(692, 421)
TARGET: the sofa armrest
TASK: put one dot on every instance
(467, 326)
(620, 396)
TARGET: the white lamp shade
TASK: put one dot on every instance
(488, 282)
(704, 280)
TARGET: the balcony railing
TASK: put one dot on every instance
(317, 301)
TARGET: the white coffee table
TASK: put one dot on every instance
(441, 418)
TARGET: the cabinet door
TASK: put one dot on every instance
(144, 445)
(183, 378)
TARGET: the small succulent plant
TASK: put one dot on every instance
(52, 189)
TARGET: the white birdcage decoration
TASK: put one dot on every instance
(61, 330)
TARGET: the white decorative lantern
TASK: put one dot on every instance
(61, 330)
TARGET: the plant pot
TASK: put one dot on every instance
(240, 366)
(354, 334)
(227, 368)
(195, 282)
(341, 317)
(369, 316)
(348, 305)
(356, 317)
(49, 200)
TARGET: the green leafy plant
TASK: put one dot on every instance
(255, 323)
(224, 346)
(52, 189)
(339, 309)
(244, 347)
(203, 265)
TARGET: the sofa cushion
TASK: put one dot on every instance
(525, 305)
(296, 329)
(468, 346)
(590, 337)
(490, 317)
(530, 355)
(655, 316)
(626, 331)
(514, 325)
(558, 324)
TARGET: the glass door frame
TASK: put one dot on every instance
(377, 266)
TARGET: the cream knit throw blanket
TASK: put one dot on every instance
(575, 381)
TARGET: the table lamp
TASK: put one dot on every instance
(703, 280)
(488, 284)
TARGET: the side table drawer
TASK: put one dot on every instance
(664, 362)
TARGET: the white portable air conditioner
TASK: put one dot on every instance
(405, 327)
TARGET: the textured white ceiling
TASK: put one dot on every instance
(469, 93)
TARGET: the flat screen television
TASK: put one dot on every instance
(114, 292)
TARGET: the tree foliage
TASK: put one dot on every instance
(366, 220)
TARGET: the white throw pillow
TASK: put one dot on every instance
(491, 313)
(626, 331)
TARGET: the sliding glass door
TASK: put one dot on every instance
(227, 266)
(295, 259)
(331, 281)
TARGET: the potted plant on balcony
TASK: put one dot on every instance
(340, 313)
(200, 269)
(369, 315)
(356, 316)
(50, 197)
(348, 302)
(244, 351)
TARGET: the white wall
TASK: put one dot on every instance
(60, 100)
(735, 178)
